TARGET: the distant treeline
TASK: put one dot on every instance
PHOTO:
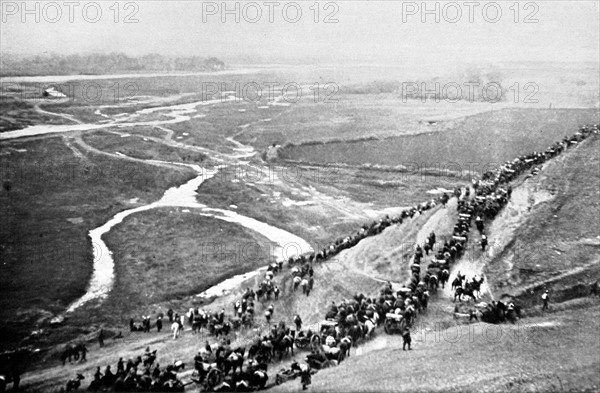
(56, 64)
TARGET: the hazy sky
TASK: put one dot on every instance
(376, 31)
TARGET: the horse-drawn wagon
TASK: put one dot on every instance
(404, 292)
(437, 264)
(302, 340)
(394, 323)
(459, 238)
(285, 375)
(327, 324)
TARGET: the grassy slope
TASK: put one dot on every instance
(515, 362)
(486, 139)
(46, 259)
(558, 228)
(556, 353)
(552, 352)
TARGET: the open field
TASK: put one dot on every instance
(17, 114)
(49, 201)
(358, 116)
(56, 188)
(142, 148)
(172, 253)
(481, 141)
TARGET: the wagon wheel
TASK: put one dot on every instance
(315, 341)
(300, 343)
(389, 329)
(213, 378)
(278, 380)
(403, 324)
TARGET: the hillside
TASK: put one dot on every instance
(556, 212)
(476, 357)
(551, 353)
(550, 232)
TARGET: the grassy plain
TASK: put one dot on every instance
(484, 140)
(49, 200)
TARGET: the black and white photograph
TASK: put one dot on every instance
(290, 196)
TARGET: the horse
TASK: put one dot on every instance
(355, 333)
(284, 346)
(296, 282)
(200, 321)
(460, 292)
(345, 345)
(369, 329)
(476, 286)
(425, 300)
(175, 327)
(433, 283)
(304, 285)
(265, 351)
(443, 277)
(149, 358)
(234, 361)
(259, 379)
(457, 282)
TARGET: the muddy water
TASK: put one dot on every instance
(102, 281)
(103, 274)
(176, 113)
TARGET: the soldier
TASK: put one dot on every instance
(305, 377)
(406, 338)
(545, 300)
(298, 322)
(84, 351)
(198, 360)
(159, 323)
(101, 338)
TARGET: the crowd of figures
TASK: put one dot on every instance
(141, 374)
(492, 193)
(219, 367)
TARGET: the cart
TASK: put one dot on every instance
(394, 323)
(285, 375)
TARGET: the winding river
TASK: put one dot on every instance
(102, 281)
